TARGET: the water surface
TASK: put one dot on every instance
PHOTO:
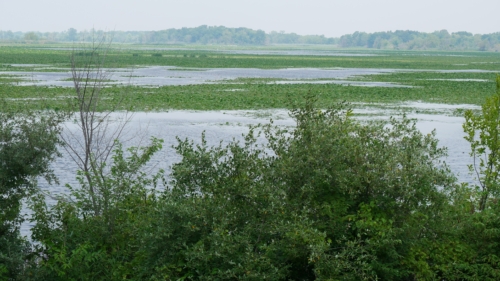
(170, 75)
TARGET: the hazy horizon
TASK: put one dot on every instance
(332, 18)
(267, 32)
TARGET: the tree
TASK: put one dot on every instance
(483, 134)
(101, 219)
(30, 36)
(75, 244)
(331, 199)
(91, 145)
(474, 214)
(72, 34)
(28, 144)
(365, 186)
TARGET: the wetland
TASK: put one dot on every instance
(187, 91)
(167, 79)
(278, 159)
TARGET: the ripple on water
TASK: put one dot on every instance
(169, 75)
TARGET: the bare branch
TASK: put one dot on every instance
(91, 146)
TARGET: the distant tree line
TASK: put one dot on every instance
(414, 40)
(399, 39)
(198, 35)
(201, 35)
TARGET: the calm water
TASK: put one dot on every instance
(170, 75)
(155, 76)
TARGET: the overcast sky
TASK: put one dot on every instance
(331, 18)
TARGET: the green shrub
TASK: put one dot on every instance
(75, 243)
(86, 54)
(28, 144)
(330, 199)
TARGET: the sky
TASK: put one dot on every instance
(331, 18)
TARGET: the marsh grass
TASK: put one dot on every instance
(7, 78)
(424, 71)
(261, 95)
(211, 57)
(92, 80)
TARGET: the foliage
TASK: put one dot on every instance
(476, 212)
(292, 38)
(366, 186)
(75, 243)
(28, 143)
(332, 199)
(208, 35)
(399, 39)
(483, 134)
(270, 57)
(414, 40)
(257, 94)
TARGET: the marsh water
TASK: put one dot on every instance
(170, 75)
(157, 76)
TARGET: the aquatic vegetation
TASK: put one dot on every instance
(210, 57)
(259, 95)
(436, 77)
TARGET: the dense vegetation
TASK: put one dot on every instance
(331, 199)
(468, 80)
(399, 39)
(204, 35)
(211, 57)
(414, 40)
(28, 144)
(258, 94)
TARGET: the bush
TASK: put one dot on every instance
(28, 144)
(86, 54)
(331, 199)
(75, 243)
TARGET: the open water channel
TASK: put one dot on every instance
(155, 76)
